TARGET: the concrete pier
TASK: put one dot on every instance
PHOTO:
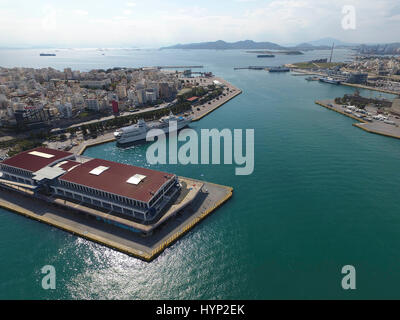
(370, 88)
(376, 126)
(72, 220)
(206, 109)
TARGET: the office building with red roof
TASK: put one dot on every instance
(21, 167)
(114, 187)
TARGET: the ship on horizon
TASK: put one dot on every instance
(138, 132)
(265, 56)
(278, 69)
(47, 54)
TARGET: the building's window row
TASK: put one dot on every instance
(93, 196)
(97, 202)
(16, 171)
(161, 193)
(17, 179)
(103, 194)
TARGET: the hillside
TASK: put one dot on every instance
(222, 45)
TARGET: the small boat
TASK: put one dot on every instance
(389, 122)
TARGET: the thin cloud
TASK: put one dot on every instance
(280, 21)
(81, 12)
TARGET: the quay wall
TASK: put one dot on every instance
(129, 250)
(361, 124)
(340, 111)
(370, 88)
(218, 106)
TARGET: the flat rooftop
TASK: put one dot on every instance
(68, 165)
(36, 159)
(117, 178)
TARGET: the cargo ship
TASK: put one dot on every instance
(278, 69)
(47, 54)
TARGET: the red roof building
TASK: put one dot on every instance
(115, 106)
(36, 159)
(192, 99)
(113, 177)
(138, 192)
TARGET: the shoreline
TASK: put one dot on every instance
(102, 140)
(360, 126)
(361, 86)
(354, 85)
(109, 137)
(80, 149)
(325, 105)
(217, 106)
(370, 127)
(112, 237)
(207, 109)
(216, 198)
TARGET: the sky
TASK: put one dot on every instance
(156, 23)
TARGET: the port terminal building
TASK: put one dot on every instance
(116, 188)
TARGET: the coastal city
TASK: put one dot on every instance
(49, 119)
(69, 109)
(46, 105)
(199, 155)
(369, 72)
(375, 73)
(48, 94)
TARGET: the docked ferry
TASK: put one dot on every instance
(330, 80)
(138, 131)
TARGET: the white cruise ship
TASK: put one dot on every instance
(138, 131)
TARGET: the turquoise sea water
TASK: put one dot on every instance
(324, 194)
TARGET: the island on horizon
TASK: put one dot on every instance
(253, 45)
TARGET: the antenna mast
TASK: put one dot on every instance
(330, 60)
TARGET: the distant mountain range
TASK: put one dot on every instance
(222, 45)
(250, 44)
(322, 44)
(330, 41)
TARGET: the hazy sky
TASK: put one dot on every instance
(153, 23)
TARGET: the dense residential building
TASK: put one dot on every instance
(23, 90)
(151, 95)
(142, 97)
(92, 104)
(65, 110)
(358, 78)
(121, 91)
